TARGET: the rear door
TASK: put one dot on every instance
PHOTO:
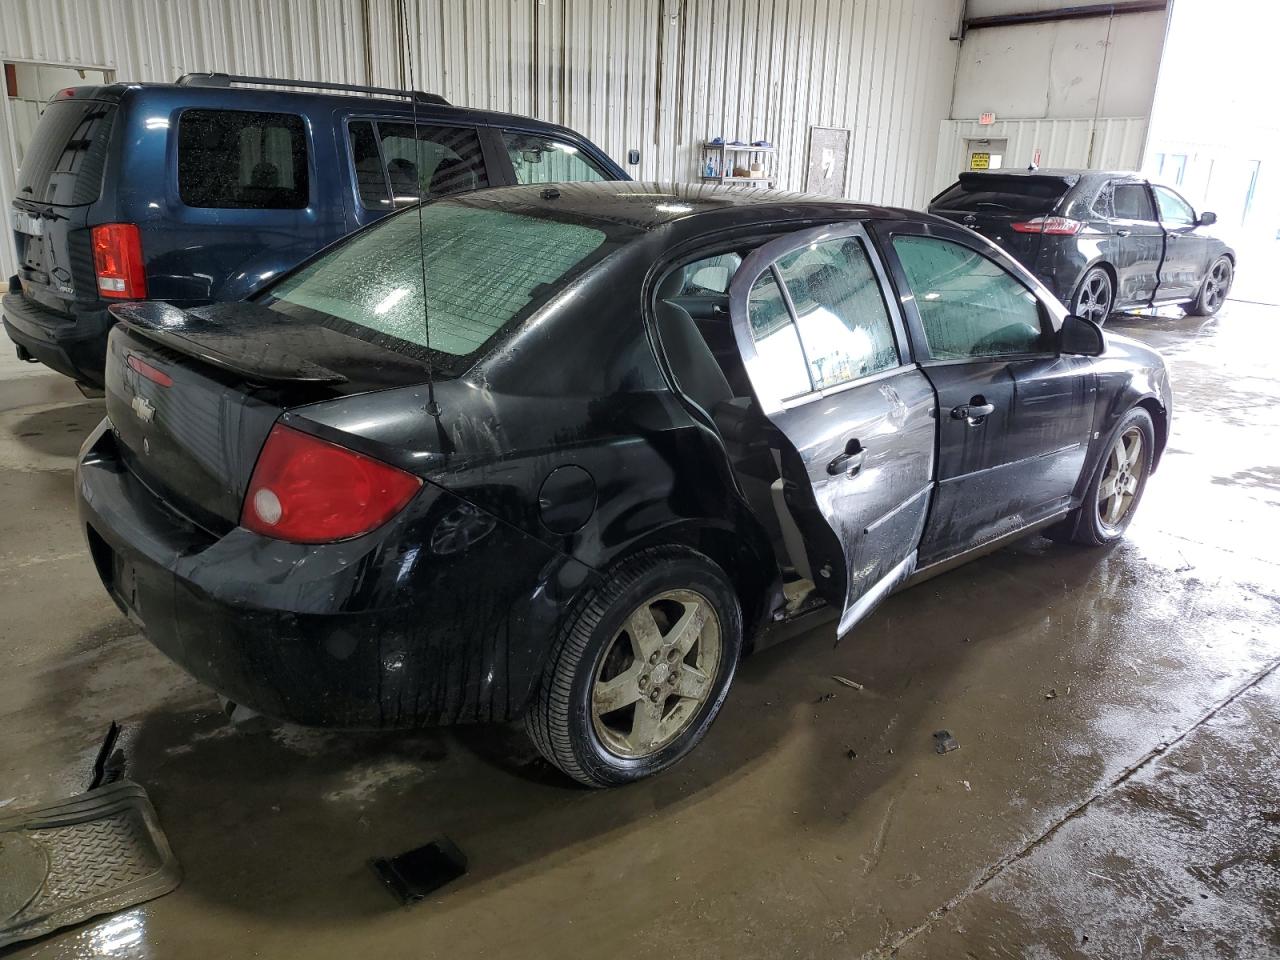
(826, 354)
(60, 178)
(1186, 251)
(1137, 242)
(1014, 416)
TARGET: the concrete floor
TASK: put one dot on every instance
(1116, 792)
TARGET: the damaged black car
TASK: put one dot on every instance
(559, 453)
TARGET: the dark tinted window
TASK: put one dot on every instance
(538, 159)
(63, 164)
(1133, 202)
(993, 193)
(439, 162)
(235, 158)
(1104, 207)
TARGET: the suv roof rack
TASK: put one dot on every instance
(227, 79)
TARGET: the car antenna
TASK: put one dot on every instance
(433, 408)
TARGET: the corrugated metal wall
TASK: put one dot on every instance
(1110, 143)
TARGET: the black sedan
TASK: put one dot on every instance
(1101, 241)
(635, 423)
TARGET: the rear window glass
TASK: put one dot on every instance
(242, 159)
(63, 164)
(988, 193)
(394, 168)
(486, 270)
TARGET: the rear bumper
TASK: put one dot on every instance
(392, 629)
(74, 346)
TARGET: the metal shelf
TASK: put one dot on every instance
(733, 148)
(738, 179)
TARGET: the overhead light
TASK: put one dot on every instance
(673, 208)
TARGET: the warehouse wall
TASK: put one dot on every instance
(1078, 90)
(658, 76)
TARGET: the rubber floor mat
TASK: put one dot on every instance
(91, 854)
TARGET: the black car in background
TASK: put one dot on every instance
(1101, 241)
(637, 422)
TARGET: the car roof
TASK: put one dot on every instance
(1055, 172)
(649, 205)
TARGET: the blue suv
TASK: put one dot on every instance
(205, 189)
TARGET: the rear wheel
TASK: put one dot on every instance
(1213, 289)
(1117, 486)
(640, 670)
(1094, 297)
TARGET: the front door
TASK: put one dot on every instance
(1186, 251)
(1014, 417)
(828, 361)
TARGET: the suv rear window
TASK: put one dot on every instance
(63, 164)
(242, 159)
(992, 193)
(486, 269)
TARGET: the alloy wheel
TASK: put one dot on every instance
(1216, 284)
(1123, 476)
(1094, 300)
(656, 673)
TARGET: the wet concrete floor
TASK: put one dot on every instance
(1116, 792)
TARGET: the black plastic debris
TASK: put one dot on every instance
(109, 765)
(415, 875)
(944, 742)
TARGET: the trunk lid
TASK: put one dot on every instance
(990, 203)
(60, 178)
(192, 395)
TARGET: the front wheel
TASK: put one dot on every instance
(1094, 297)
(1117, 486)
(640, 669)
(1213, 289)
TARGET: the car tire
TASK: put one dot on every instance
(1093, 523)
(1094, 297)
(1213, 289)
(597, 659)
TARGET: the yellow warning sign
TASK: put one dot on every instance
(979, 161)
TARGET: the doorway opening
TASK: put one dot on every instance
(985, 154)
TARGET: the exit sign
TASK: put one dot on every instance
(986, 119)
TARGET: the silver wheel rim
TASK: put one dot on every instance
(1120, 482)
(1094, 302)
(1217, 283)
(656, 673)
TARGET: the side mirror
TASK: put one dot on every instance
(1207, 219)
(1081, 337)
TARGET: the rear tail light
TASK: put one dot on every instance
(307, 490)
(1051, 226)
(117, 260)
(154, 374)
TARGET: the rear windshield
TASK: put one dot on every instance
(992, 193)
(487, 269)
(63, 163)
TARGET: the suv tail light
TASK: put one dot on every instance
(117, 260)
(1051, 226)
(307, 490)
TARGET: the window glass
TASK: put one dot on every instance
(970, 306)
(539, 159)
(63, 163)
(1003, 193)
(710, 276)
(1104, 203)
(1133, 202)
(842, 318)
(485, 267)
(236, 158)
(366, 161)
(1173, 209)
(781, 371)
(443, 161)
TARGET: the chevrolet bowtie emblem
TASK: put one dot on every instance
(144, 409)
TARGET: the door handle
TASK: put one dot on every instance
(1124, 233)
(975, 411)
(849, 462)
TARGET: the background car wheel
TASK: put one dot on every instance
(1094, 297)
(1117, 486)
(1213, 290)
(640, 669)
